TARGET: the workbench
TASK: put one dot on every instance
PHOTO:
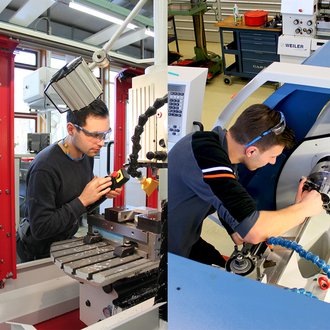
(253, 48)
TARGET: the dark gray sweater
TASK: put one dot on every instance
(54, 182)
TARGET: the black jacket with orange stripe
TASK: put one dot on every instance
(202, 180)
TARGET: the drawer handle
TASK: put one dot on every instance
(260, 52)
(253, 42)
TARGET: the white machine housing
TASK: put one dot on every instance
(299, 17)
(145, 90)
(33, 89)
(186, 88)
(293, 49)
(298, 40)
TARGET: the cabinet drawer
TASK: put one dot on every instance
(258, 37)
(254, 66)
(264, 46)
(259, 55)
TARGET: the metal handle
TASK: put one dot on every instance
(110, 143)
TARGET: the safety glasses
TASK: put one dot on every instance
(96, 135)
(277, 129)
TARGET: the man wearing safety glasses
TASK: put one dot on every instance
(203, 179)
(61, 184)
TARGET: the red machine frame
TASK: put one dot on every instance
(7, 178)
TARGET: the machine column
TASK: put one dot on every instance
(7, 189)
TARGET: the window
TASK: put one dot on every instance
(57, 63)
(19, 75)
(26, 58)
(25, 121)
(26, 125)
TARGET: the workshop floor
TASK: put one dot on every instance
(68, 321)
(217, 96)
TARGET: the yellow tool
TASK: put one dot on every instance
(148, 185)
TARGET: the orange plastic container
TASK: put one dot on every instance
(255, 17)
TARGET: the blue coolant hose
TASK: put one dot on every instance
(304, 254)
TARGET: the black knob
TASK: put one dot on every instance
(158, 155)
(162, 143)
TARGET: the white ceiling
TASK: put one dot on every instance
(56, 19)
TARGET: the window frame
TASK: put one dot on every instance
(28, 66)
(20, 65)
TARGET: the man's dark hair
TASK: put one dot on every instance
(257, 119)
(96, 109)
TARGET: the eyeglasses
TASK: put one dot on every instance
(96, 135)
(277, 129)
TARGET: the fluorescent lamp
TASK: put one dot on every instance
(149, 33)
(99, 14)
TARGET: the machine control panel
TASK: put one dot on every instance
(299, 17)
(185, 95)
(176, 94)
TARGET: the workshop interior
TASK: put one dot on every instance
(164, 69)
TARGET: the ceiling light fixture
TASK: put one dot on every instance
(99, 14)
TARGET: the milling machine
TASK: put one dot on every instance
(117, 261)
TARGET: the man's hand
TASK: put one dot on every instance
(95, 189)
(310, 199)
(300, 192)
(237, 239)
(114, 193)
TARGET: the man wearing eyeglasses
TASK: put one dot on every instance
(61, 184)
(203, 179)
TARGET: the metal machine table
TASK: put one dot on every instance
(96, 263)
